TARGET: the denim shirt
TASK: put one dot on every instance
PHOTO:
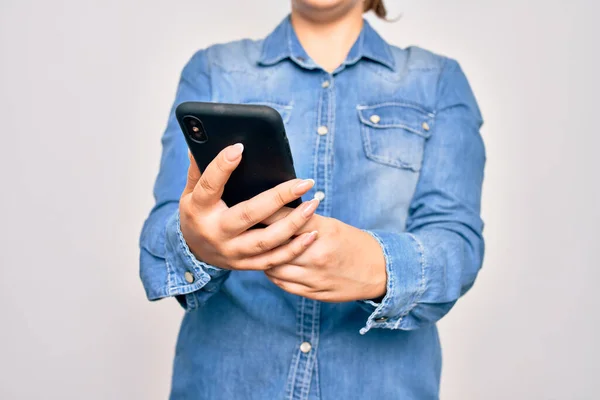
(391, 138)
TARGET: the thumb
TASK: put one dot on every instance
(193, 175)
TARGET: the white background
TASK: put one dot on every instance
(85, 89)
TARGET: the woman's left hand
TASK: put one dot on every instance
(343, 264)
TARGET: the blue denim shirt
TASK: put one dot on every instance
(391, 138)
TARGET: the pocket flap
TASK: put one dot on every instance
(408, 116)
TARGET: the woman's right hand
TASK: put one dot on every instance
(221, 236)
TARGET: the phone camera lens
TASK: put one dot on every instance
(195, 129)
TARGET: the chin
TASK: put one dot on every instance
(323, 5)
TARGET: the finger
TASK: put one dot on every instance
(258, 241)
(279, 214)
(292, 273)
(279, 256)
(209, 188)
(292, 287)
(248, 213)
(192, 176)
(311, 225)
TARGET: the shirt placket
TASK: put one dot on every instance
(308, 315)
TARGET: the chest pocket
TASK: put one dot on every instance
(395, 133)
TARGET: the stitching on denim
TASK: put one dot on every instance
(228, 69)
(304, 384)
(318, 140)
(197, 265)
(305, 377)
(384, 72)
(383, 160)
(316, 372)
(404, 103)
(393, 163)
(301, 321)
(329, 149)
(385, 304)
(169, 284)
(398, 74)
(291, 381)
(289, 38)
(188, 287)
(292, 375)
(421, 289)
(298, 380)
(311, 359)
(424, 69)
(366, 140)
(396, 125)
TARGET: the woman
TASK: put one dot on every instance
(337, 299)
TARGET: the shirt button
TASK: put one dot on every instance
(319, 195)
(425, 126)
(325, 84)
(305, 347)
(375, 118)
(189, 278)
(381, 319)
(322, 130)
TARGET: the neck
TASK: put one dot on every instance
(329, 37)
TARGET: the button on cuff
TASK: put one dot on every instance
(189, 278)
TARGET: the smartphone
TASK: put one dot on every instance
(267, 160)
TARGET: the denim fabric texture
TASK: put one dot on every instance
(401, 158)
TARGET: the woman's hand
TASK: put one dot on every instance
(343, 264)
(220, 236)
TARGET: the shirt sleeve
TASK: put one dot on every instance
(167, 266)
(436, 259)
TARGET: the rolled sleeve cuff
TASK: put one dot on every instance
(405, 268)
(183, 267)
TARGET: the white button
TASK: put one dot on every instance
(325, 84)
(319, 195)
(322, 130)
(375, 118)
(425, 126)
(189, 278)
(305, 347)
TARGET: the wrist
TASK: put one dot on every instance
(376, 286)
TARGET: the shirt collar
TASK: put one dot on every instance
(283, 43)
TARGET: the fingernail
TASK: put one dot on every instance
(310, 207)
(309, 238)
(303, 187)
(234, 152)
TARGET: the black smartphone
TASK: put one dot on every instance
(267, 160)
